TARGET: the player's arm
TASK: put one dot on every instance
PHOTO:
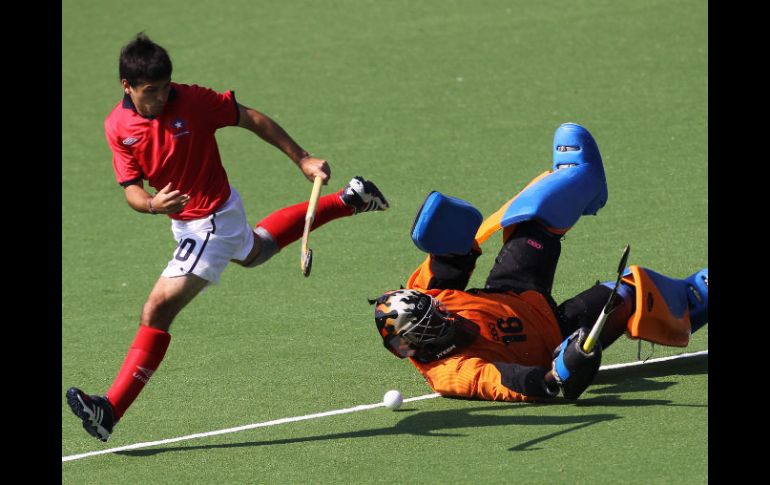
(477, 378)
(128, 173)
(270, 131)
(445, 271)
(166, 201)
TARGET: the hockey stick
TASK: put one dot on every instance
(306, 256)
(593, 337)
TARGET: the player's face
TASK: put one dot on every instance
(149, 97)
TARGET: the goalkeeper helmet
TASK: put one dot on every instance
(409, 320)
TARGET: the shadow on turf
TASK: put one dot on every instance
(620, 381)
(421, 424)
(637, 379)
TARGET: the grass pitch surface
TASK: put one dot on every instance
(457, 96)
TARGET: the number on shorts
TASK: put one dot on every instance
(186, 245)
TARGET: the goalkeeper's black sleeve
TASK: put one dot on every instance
(452, 271)
(529, 381)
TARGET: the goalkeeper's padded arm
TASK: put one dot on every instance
(529, 381)
(452, 271)
(466, 376)
(445, 272)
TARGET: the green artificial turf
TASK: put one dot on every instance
(457, 96)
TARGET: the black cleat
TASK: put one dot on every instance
(363, 196)
(95, 411)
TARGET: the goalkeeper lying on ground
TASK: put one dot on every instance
(510, 341)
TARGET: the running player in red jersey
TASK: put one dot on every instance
(163, 132)
(510, 341)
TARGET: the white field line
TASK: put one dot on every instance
(363, 407)
(650, 361)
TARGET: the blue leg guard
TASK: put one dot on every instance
(445, 225)
(698, 298)
(577, 186)
(667, 310)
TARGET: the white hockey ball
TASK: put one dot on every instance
(392, 400)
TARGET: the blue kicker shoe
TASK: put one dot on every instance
(698, 298)
(573, 145)
(576, 186)
(95, 411)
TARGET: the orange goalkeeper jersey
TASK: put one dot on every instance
(514, 329)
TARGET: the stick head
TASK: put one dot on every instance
(621, 266)
(307, 262)
(596, 330)
(623, 260)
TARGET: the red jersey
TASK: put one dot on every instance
(514, 328)
(178, 146)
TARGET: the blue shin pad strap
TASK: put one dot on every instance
(626, 292)
(445, 225)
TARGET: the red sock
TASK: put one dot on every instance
(286, 225)
(142, 360)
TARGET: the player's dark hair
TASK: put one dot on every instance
(142, 60)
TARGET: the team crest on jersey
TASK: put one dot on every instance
(130, 141)
(179, 127)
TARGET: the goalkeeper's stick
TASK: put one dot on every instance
(306, 256)
(593, 337)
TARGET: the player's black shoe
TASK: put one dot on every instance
(95, 411)
(363, 196)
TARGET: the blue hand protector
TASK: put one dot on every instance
(574, 369)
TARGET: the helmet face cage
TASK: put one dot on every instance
(409, 319)
(432, 326)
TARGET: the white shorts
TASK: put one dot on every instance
(206, 245)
